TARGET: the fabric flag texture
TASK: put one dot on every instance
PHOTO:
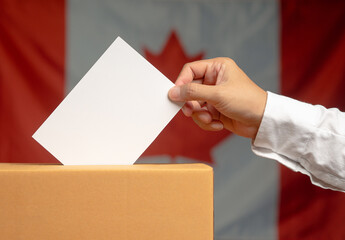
(293, 47)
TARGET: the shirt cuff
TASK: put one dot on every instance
(287, 128)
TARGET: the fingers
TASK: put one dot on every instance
(192, 92)
(212, 126)
(212, 72)
(204, 119)
(192, 71)
(213, 111)
(203, 116)
(189, 107)
(204, 72)
(194, 106)
(207, 70)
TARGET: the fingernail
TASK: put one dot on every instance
(174, 93)
(204, 117)
(217, 126)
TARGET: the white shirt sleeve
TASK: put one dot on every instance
(306, 138)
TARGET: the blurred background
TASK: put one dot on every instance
(292, 47)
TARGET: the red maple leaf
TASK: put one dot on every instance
(182, 137)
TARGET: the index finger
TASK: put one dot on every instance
(192, 71)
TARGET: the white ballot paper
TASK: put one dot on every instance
(113, 114)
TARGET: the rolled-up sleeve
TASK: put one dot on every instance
(306, 138)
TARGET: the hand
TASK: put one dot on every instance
(218, 94)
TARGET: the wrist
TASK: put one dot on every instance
(259, 110)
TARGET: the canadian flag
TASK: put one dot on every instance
(292, 47)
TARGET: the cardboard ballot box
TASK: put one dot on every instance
(143, 201)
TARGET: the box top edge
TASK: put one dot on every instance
(5, 167)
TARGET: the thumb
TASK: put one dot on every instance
(192, 91)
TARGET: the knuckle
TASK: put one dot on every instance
(186, 66)
(229, 61)
(187, 69)
(225, 61)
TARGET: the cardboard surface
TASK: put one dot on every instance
(143, 201)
